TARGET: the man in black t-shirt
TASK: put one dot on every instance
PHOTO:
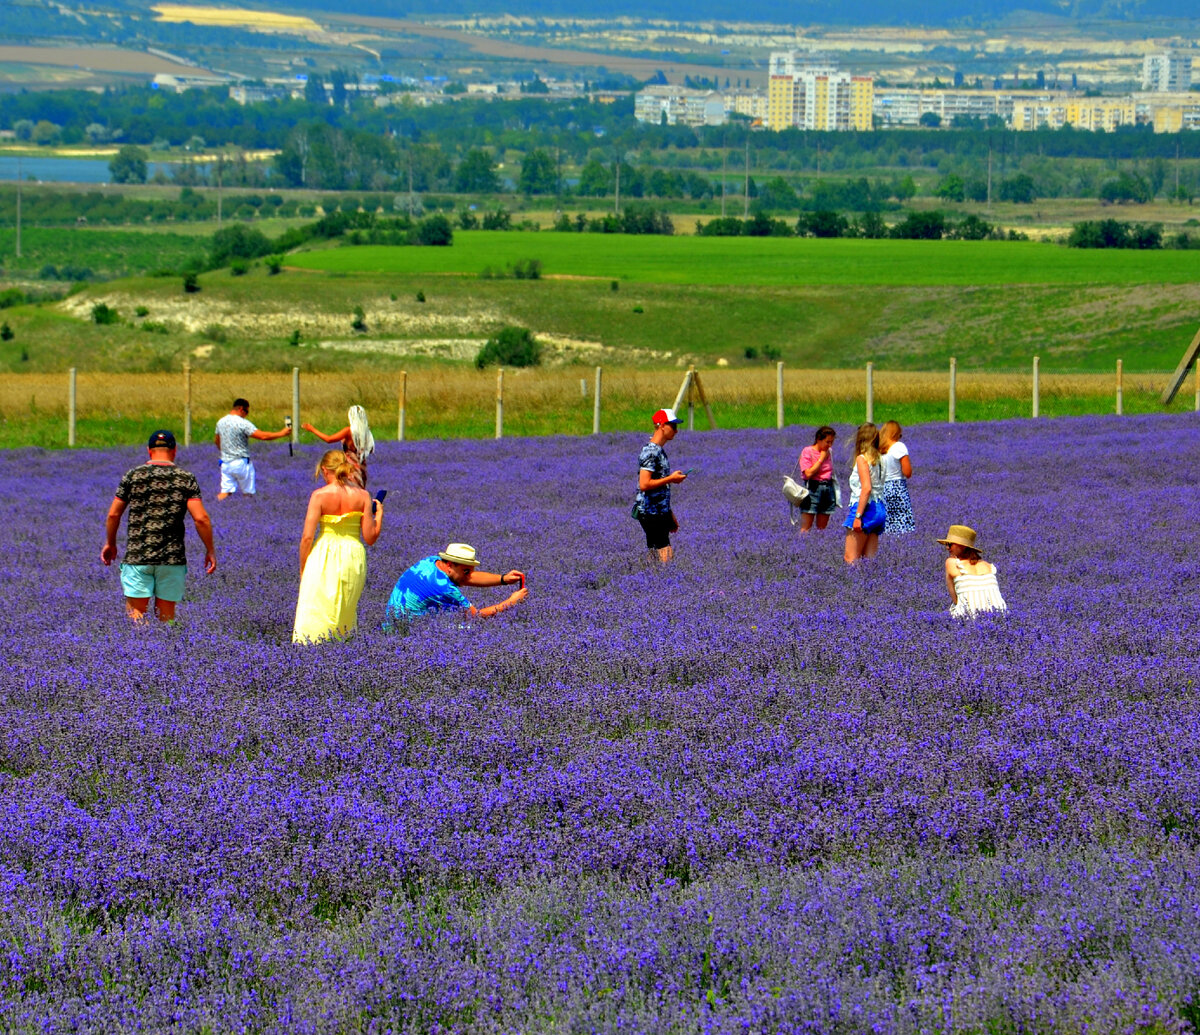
(158, 495)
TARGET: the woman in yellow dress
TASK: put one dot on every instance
(334, 570)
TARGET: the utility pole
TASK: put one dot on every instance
(617, 194)
(989, 182)
(410, 192)
(724, 161)
(220, 170)
(18, 207)
(746, 185)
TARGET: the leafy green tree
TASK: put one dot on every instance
(476, 174)
(128, 165)
(822, 224)
(436, 230)
(238, 242)
(921, 226)
(314, 90)
(1019, 189)
(595, 180)
(931, 119)
(538, 173)
(972, 228)
(511, 347)
(1126, 187)
(951, 188)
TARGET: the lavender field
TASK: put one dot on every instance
(756, 792)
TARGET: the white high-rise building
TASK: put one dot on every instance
(1167, 72)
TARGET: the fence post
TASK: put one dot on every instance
(870, 393)
(1120, 390)
(401, 406)
(187, 403)
(71, 407)
(691, 399)
(1198, 387)
(583, 388)
(1037, 388)
(595, 403)
(779, 394)
(953, 388)
(295, 405)
(500, 402)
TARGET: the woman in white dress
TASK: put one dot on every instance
(970, 579)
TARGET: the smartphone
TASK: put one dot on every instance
(689, 471)
(522, 582)
(379, 498)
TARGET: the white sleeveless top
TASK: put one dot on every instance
(976, 593)
(856, 482)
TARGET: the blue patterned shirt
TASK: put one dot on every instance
(654, 501)
(422, 589)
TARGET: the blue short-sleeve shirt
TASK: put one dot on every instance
(655, 501)
(422, 589)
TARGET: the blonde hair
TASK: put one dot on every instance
(891, 431)
(866, 443)
(338, 464)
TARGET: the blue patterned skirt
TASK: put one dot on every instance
(899, 507)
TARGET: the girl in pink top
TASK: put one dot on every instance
(816, 471)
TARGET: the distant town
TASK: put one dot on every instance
(809, 91)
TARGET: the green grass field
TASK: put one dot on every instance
(767, 262)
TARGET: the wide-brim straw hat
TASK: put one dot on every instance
(962, 536)
(460, 553)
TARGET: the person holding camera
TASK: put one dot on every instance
(432, 585)
(232, 438)
(652, 506)
(355, 439)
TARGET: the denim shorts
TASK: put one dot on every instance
(822, 498)
(161, 581)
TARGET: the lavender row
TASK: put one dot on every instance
(756, 724)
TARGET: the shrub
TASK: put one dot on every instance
(215, 332)
(294, 337)
(191, 283)
(498, 219)
(638, 309)
(436, 230)
(420, 296)
(527, 269)
(614, 285)
(14, 296)
(6, 334)
(104, 314)
(239, 267)
(154, 327)
(511, 347)
(359, 323)
(274, 264)
(751, 352)
(238, 242)
(141, 311)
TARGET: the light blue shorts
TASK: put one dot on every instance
(161, 581)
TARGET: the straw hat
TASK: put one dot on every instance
(962, 535)
(460, 553)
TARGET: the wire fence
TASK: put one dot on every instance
(73, 408)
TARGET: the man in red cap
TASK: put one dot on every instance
(655, 478)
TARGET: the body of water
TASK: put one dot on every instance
(53, 169)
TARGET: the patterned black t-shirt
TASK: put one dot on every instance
(157, 496)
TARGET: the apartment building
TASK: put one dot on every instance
(810, 94)
(1167, 72)
(679, 106)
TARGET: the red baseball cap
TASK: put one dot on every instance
(666, 416)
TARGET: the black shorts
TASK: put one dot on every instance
(658, 529)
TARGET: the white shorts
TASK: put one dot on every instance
(237, 476)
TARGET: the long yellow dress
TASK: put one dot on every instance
(333, 580)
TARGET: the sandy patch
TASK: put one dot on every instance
(557, 349)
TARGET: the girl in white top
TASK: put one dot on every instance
(865, 519)
(970, 579)
(897, 469)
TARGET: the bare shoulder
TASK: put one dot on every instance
(951, 566)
